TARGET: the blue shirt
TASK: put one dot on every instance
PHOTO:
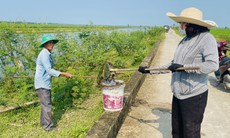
(44, 70)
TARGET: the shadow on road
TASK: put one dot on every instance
(219, 86)
(162, 123)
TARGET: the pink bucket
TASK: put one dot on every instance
(113, 97)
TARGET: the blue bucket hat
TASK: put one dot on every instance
(46, 38)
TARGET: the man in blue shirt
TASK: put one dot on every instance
(42, 80)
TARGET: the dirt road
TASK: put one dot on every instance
(150, 115)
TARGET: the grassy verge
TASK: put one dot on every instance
(71, 122)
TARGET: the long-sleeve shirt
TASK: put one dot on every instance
(44, 70)
(199, 51)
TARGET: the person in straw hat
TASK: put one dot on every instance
(42, 80)
(190, 87)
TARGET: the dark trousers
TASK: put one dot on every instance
(46, 112)
(187, 116)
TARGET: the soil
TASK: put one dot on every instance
(150, 115)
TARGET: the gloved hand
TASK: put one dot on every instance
(174, 66)
(143, 69)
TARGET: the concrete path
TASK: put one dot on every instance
(150, 115)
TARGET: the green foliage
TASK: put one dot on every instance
(84, 34)
(80, 56)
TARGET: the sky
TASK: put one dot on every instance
(110, 12)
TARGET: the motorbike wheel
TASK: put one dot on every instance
(226, 80)
(217, 74)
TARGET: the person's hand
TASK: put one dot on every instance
(143, 69)
(174, 67)
(68, 75)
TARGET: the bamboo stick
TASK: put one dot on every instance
(18, 106)
(73, 76)
(182, 68)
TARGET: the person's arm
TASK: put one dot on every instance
(68, 75)
(48, 67)
(45, 59)
(160, 71)
(210, 56)
(161, 67)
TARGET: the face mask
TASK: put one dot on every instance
(183, 32)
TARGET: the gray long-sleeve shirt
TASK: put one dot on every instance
(200, 51)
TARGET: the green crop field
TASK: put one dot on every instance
(221, 34)
(54, 28)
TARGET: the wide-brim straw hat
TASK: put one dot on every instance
(192, 15)
(46, 38)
